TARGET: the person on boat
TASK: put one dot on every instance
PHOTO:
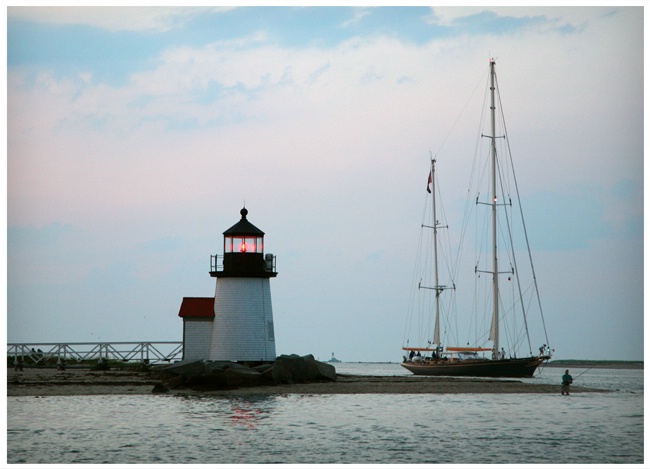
(411, 355)
(567, 379)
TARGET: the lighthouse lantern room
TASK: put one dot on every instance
(242, 329)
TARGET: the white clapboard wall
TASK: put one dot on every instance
(243, 320)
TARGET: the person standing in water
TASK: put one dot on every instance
(567, 379)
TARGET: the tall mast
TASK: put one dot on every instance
(495, 261)
(436, 330)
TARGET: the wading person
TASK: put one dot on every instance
(567, 379)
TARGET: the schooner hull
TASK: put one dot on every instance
(505, 368)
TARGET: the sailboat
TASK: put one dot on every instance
(487, 357)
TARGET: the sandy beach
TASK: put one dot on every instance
(77, 381)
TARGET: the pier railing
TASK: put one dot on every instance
(134, 352)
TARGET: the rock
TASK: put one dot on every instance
(263, 368)
(281, 373)
(223, 375)
(206, 375)
(159, 388)
(222, 365)
(237, 378)
(326, 371)
(208, 381)
(289, 369)
(168, 385)
(186, 369)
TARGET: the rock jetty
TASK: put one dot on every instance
(203, 375)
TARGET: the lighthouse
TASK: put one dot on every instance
(242, 328)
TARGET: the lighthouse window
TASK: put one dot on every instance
(247, 245)
(243, 244)
(269, 330)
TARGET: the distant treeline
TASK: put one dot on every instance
(596, 363)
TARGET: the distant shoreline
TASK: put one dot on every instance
(612, 364)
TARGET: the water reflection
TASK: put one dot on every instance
(248, 413)
(239, 412)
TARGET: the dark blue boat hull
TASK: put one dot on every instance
(505, 368)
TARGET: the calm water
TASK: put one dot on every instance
(441, 428)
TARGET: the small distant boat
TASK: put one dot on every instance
(432, 358)
(333, 359)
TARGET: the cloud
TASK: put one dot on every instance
(357, 17)
(134, 18)
(132, 180)
(556, 18)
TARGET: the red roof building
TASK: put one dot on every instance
(197, 308)
(198, 316)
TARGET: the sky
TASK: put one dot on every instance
(136, 135)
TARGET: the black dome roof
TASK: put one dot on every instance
(243, 227)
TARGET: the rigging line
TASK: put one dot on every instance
(508, 221)
(447, 301)
(523, 220)
(446, 252)
(480, 325)
(509, 229)
(510, 332)
(417, 269)
(473, 175)
(459, 115)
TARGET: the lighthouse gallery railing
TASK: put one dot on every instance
(216, 263)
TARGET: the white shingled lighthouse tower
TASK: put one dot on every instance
(242, 329)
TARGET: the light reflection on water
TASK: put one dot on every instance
(382, 428)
